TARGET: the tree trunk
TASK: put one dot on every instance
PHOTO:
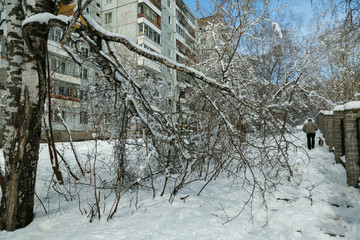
(23, 112)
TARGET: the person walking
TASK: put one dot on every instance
(310, 129)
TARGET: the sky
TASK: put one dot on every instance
(303, 7)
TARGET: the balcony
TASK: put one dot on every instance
(149, 64)
(67, 98)
(144, 11)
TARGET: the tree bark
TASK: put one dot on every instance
(23, 113)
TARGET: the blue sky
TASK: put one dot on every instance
(298, 6)
(192, 4)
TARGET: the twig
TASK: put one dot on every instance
(41, 203)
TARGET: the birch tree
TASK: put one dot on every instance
(23, 112)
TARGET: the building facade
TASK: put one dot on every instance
(163, 26)
(67, 82)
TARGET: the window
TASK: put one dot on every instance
(157, 3)
(180, 31)
(150, 14)
(53, 64)
(63, 68)
(58, 65)
(84, 73)
(56, 116)
(108, 1)
(181, 47)
(141, 29)
(108, 17)
(62, 90)
(144, 29)
(189, 16)
(169, 20)
(179, 59)
(73, 91)
(169, 36)
(141, 8)
(66, 89)
(55, 35)
(84, 52)
(83, 117)
(168, 3)
(169, 52)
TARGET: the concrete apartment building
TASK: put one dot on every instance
(162, 26)
(67, 82)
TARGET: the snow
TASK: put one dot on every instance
(277, 29)
(326, 112)
(339, 108)
(352, 105)
(44, 18)
(315, 204)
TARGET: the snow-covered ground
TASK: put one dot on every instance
(316, 204)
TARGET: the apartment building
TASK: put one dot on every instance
(68, 82)
(185, 28)
(163, 26)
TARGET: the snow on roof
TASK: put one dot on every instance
(326, 112)
(339, 108)
(352, 105)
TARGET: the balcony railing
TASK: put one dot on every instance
(145, 11)
(62, 97)
(157, 3)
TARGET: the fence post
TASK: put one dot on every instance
(352, 151)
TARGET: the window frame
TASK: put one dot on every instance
(108, 17)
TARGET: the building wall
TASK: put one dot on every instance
(127, 19)
(124, 20)
(168, 47)
(350, 114)
(352, 148)
(66, 76)
(326, 126)
(329, 118)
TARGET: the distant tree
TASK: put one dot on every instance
(338, 45)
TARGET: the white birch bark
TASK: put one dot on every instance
(23, 111)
